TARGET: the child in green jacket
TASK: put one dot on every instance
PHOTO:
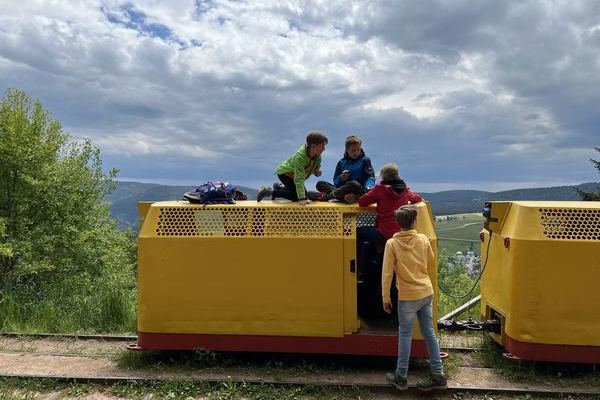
(295, 170)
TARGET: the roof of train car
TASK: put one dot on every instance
(267, 204)
(559, 204)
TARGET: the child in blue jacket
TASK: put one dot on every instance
(353, 174)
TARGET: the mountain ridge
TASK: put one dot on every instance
(124, 199)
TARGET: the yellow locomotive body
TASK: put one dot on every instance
(541, 279)
(269, 276)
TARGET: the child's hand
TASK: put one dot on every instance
(303, 202)
(345, 175)
(319, 173)
(387, 307)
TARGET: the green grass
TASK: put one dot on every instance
(25, 389)
(456, 281)
(279, 365)
(582, 375)
(450, 365)
(102, 311)
(464, 227)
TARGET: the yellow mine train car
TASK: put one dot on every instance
(269, 276)
(541, 279)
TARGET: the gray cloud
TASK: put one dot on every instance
(457, 92)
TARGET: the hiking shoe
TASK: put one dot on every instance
(433, 382)
(263, 192)
(326, 187)
(397, 380)
(315, 196)
(350, 198)
(278, 186)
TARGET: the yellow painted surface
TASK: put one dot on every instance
(426, 226)
(142, 210)
(349, 267)
(269, 268)
(204, 285)
(546, 282)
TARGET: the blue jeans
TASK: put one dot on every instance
(422, 309)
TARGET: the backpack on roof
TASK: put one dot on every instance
(215, 192)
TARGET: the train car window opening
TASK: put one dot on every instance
(370, 307)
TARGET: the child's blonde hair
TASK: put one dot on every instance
(406, 216)
(389, 172)
(352, 140)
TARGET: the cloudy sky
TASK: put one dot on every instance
(460, 94)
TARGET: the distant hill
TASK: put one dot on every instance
(125, 198)
(464, 201)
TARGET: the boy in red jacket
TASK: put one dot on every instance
(389, 194)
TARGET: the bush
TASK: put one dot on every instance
(455, 282)
(63, 263)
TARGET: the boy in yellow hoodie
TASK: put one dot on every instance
(408, 254)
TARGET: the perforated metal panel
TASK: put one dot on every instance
(254, 222)
(349, 222)
(365, 219)
(570, 223)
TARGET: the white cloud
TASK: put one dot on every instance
(439, 87)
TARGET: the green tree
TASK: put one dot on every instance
(60, 254)
(5, 249)
(591, 196)
(454, 283)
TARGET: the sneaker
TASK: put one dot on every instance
(350, 198)
(263, 192)
(326, 187)
(315, 196)
(397, 380)
(278, 186)
(433, 382)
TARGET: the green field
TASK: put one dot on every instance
(454, 232)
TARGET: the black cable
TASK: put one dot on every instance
(487, 256)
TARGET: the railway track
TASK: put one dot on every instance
(132, 338)
(106, 369)
(111, 338)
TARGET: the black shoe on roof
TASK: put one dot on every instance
(263, 192)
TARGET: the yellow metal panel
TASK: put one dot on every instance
(495, 281)
(499, 212)
(142, 210)
(349, 267)
(426, 226)
(269, 268)
(242, 269)
(239, 286)
(555, 293)
(545, 281)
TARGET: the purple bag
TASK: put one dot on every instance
(215, 192)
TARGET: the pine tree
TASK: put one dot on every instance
(591, 196)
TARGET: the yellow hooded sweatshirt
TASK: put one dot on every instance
(407, 254)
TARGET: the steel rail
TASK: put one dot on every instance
(115, 338)
(354, 380)
(465, 307)
(373, 387)
(129, 338)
